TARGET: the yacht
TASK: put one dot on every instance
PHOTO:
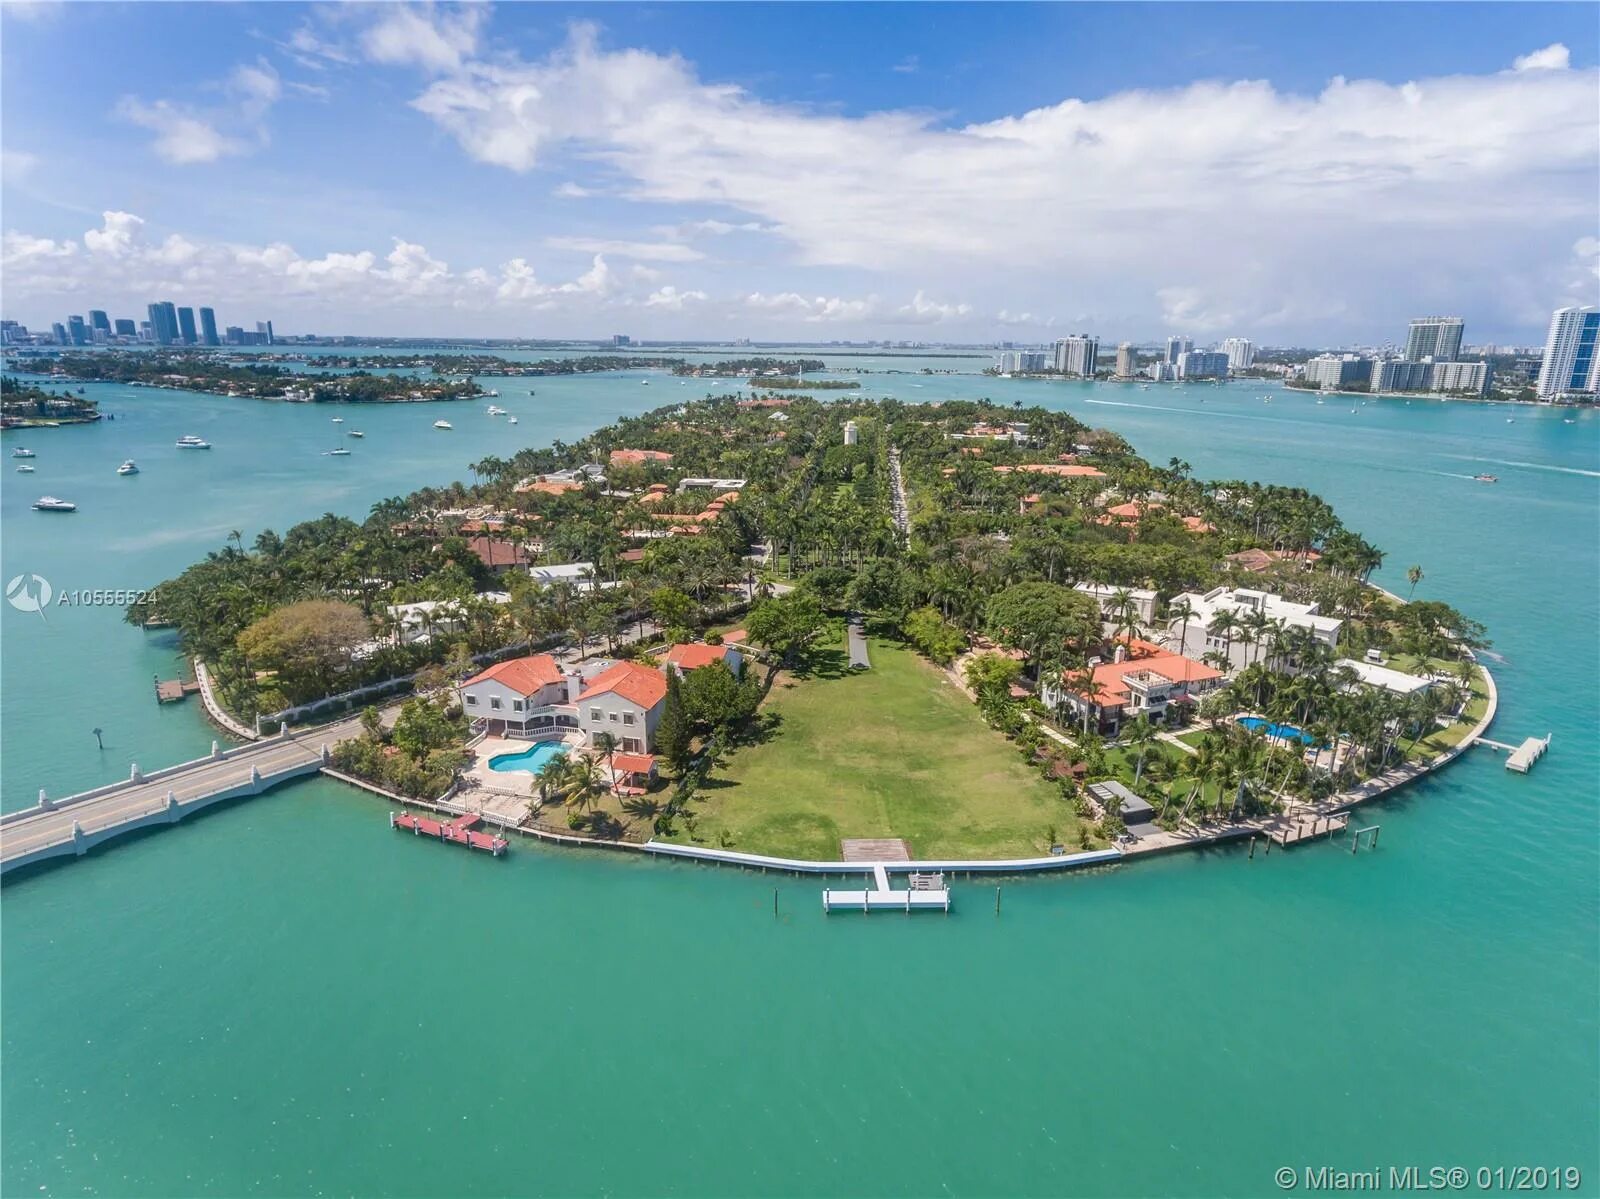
(644, 382)
(1487, 478)
(511, 420)
(49, 503)
(19, 452)
(492, 394)
(496, 410)
(130, 467)
(190, 442)
(442, 424)
(355, 433)
(338, 420)
(1511, 420)
(25, 469)
(341, 452)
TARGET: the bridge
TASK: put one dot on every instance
(76, 824)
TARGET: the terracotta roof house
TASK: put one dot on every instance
(624, 700)
(1148, 680)
(497, 553)
(523, 697)
(638, 457)
(684, 658)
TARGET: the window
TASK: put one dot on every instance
(472, 701)
(516, 705)
(494, 702)
(627, 718)
(630, 745)
(613, 718)
(596, 715)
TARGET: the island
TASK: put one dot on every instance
(24, 406)
(792, 628)
(197, 371)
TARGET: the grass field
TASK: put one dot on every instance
(895, 751)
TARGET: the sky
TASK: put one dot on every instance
(1301, 174)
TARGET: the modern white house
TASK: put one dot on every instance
(1370, 674)
(1203, 632)
(581, 576)
(1105, 594)
(535, 696)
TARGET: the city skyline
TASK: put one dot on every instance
(673, 173)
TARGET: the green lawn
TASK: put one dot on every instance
(1440, 740)
(895, 751)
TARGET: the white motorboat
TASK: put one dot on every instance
(25, 469)
(644, 382)
(49, 503)
(492, 394)
(511, 420)
(190, 442)
(442, 424)
(496, 410)
(130, 467)
(19, 452)
(338, 420)
(339, 453)
(355, 433)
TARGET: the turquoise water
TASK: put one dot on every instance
(281, 997)
(1255, 724)
(532, 759)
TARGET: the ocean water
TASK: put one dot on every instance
(283, 997)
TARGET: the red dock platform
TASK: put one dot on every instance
(459, 830)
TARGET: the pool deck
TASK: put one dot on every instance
(507, 782)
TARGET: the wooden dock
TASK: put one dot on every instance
(1292, 830)
(170, 691)
(459, 831)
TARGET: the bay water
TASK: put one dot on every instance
(281, 997)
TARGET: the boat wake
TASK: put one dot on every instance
(1564, 470)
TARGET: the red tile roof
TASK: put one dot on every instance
(1110, 689)
(497, 551)
(637, 684)
(638, 457)
(689, 657)
(522, 675)
(735, 637)
(633, 763)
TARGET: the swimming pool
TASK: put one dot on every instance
(532, 759)
(1257, 725)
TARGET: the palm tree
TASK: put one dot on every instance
(606, 743)
(1181, 609)
(548, 780)
(1124, 612)
(584, 781)
(1413, 576)
(1141, 734)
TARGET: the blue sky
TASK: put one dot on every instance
(1292, 173)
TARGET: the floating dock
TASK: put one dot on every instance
(460, 830)
(927, 891)
(1520, 757)
(170, 691)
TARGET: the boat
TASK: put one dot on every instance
(341, 452)
(442, 424)
(511, 420)
(496, 410)
(355, 433)
(49, 503)
(1487, 478)
(338, 420)
(25, 469)
(190, 442)
(644, 382)
(19, 452)
(492, 394)
(130, 467)
(1511, 420)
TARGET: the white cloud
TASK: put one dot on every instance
(1239, 201)
(181, 137)
(671, 297)
(117, 235)
(426, 35)
(16, 165)
(1554, 57)
(573, 191)
(187, 134)
(644, 251)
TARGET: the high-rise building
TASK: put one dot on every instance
(1471, 378)
(59, 332)
(621, 339)
(1436, 337)
(1127, 361)
(186, 329)
(163, 323)
(1076, 355)
(99, 320)
(1177, 346)
(1202, 364)
(1338, 370)
(1397, 374)
(208, 327)
(78, 331)
(264, 328)
(1241, 353)
(1571, 356)
(126, 328)
(12, 333)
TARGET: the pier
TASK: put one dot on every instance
(170, 691)
(459, 831)
(925, 891)
(1519, 757)
(75, 824)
